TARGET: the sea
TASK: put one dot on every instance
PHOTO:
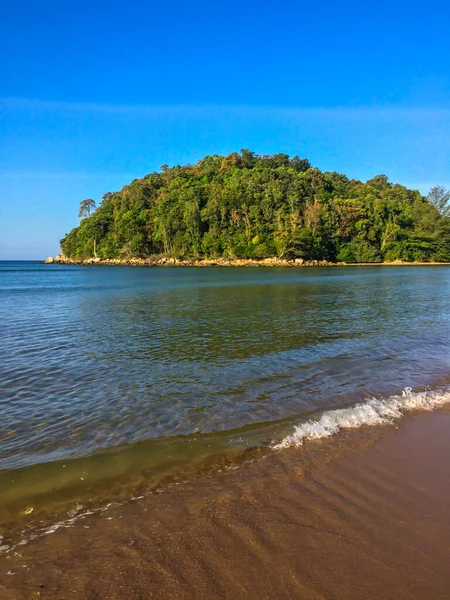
(119, 380)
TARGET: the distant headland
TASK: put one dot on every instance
(247, 209)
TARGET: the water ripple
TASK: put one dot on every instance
(98, 357)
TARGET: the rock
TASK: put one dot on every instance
(160, 260)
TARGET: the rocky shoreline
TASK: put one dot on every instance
(165, 261)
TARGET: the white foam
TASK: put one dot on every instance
(74, 515)
(371, 412)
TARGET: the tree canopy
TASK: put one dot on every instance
(86, 207)
(245, 205)
(439, 197)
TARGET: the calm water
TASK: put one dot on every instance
(115, 366)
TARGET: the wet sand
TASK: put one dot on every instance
(364, 515)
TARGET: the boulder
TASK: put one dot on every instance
(49, 260)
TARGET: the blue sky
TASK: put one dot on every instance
(93, 94)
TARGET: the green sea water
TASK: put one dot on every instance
(117, 378)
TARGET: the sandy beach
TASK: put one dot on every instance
(364, 514)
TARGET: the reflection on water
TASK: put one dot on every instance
(100, 357)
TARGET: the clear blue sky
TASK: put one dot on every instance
(93, 94)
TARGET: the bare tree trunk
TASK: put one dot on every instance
(95, 248)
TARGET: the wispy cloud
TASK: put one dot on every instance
(63, 175)
(209, 110)
(424, 187)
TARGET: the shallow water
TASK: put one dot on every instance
(116, 375)
(364, 514)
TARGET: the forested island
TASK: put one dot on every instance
(248, 206)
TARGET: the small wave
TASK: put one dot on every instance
(372, 412)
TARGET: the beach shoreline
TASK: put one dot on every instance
(364, 514)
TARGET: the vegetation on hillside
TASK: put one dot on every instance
(248, 206)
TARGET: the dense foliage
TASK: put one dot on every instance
(250, 206)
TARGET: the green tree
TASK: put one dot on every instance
(439, 197)
(86, 207)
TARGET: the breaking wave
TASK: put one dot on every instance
(371, 412)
